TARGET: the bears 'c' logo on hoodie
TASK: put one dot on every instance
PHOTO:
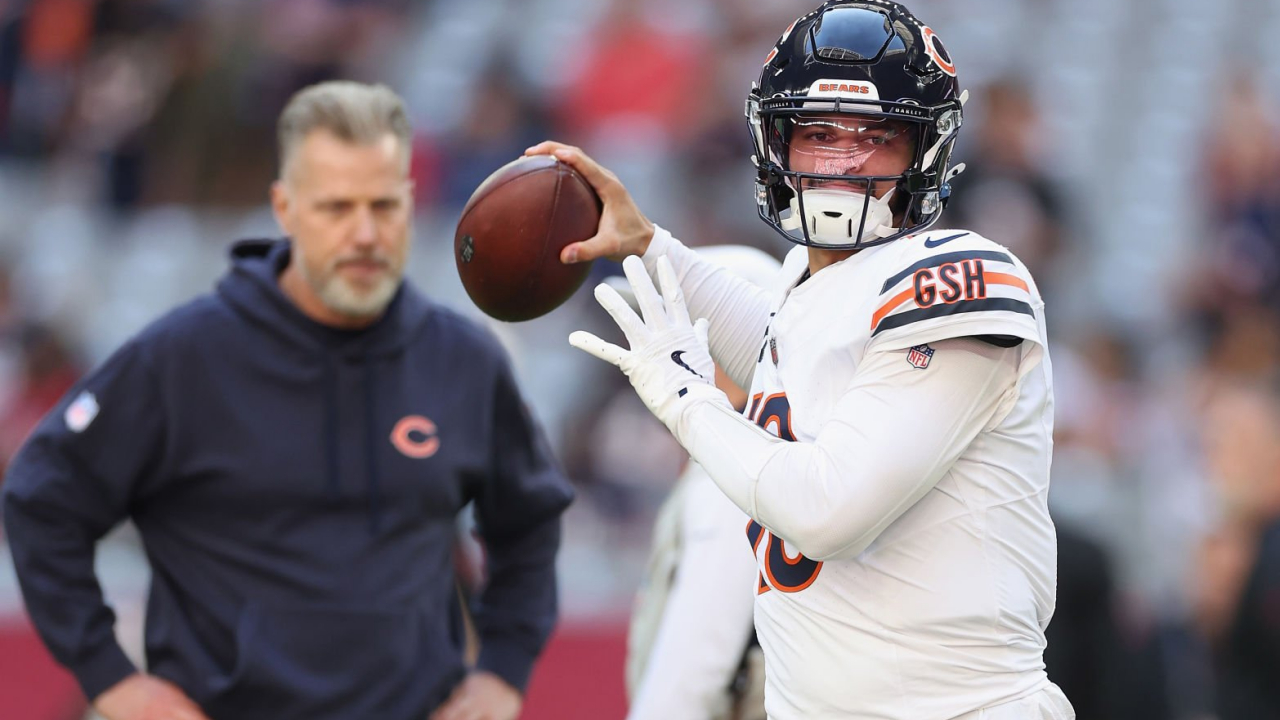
(415, 437)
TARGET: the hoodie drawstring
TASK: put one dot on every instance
(370, 448)
(330, 440)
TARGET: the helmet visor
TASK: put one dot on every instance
(842, 148)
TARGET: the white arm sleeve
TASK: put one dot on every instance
(738, 310)
(892, 437)
(706, 622)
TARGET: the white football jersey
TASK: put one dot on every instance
(944, 611)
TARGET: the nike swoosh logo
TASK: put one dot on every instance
(941, 241)
(675, 358)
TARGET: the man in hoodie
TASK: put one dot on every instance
(294, 449)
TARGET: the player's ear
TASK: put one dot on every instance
(280, 205)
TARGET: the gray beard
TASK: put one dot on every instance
(342, 298)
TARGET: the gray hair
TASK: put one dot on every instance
(355, 112)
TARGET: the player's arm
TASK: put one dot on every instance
(518, 509)
(71, 482)
(706, 620)
(737, 309)
(894, 434)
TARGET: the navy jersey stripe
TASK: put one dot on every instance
(946, 258)
(906, 318)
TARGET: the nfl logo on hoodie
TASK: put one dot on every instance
(81, 411)
(919, 356)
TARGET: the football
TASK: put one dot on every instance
(512, 230)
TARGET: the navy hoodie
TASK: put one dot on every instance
(295, 487)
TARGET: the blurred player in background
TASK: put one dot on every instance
(895, 452)
(294, 449)
(691, 651)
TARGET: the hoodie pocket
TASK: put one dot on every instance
(324, 661)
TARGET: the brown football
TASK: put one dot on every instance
(511, 233)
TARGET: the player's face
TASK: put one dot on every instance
(842, 144)
(348, 208)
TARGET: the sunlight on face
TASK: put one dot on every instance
(852, 146)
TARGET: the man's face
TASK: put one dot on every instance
(841, 144)
(348, 209)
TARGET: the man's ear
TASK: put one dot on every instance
(280, 201)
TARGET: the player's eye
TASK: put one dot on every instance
(882, 138)
(386, 205)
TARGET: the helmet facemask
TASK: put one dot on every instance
(841, 174)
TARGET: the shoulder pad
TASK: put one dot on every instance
(956, 285)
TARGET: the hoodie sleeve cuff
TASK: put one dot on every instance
(103, 668)
(506, 659)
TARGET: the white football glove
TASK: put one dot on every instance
(668, 363)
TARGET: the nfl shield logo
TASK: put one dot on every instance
(81, 412)
(919, 356)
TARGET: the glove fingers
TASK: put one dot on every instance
(631, 324)
(646, 294)
(672, 295)
(606, 351)
(619, 283)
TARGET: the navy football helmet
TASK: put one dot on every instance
(869, 73)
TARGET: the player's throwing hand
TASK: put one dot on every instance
(623, 231)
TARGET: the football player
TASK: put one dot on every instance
(894, 454)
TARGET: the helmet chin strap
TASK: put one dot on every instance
(833, 217)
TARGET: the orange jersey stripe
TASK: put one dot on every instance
(994, 278)
(891, 305)
(991, 278)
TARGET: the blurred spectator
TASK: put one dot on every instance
(1004, 193)
(634, 75)
(1238, 591)
(1109, 669)
(502, 121)
(1082, 651)
(46, 372)
(1243, 165)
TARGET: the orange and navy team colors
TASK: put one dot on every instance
(950, 283)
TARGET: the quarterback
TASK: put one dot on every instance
(894, 453)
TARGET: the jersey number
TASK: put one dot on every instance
(785, 573)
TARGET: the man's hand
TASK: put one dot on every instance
(623, 230)
(668, 364)
(482, 696)
(146, 697)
